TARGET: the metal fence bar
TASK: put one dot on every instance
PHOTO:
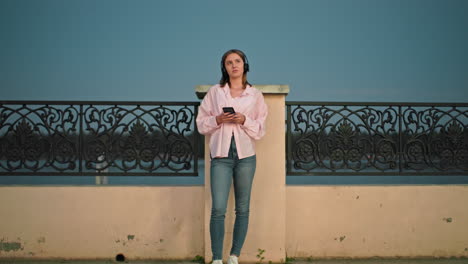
(47, 103)
(400, 139)
(80, 142)
(288, 138)
(316, 103)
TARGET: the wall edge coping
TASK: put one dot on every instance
(279, 89)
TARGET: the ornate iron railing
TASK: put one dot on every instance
(377, 138)
(160, 138)
(98, 138)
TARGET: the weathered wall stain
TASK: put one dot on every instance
(341, 238)
(123, 242)
(10, 246)
(448, 220)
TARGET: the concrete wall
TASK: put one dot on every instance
(384, 221)
(101, 222)
(168, 222)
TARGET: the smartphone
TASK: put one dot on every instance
(229, 110)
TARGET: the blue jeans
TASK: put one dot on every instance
(224, 171)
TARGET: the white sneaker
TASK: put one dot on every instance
(232, 260)
(217, 261)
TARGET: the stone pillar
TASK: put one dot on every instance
(267, 227)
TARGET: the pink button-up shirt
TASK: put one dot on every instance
(250, 103)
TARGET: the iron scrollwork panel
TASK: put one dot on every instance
(98, 139)
(343, 139)
(417, 139)
(141, 138)
(39, 138)
(435, 139)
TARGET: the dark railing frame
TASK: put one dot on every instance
(400, 172)
(81, 104)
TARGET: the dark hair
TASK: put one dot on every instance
(225, 75)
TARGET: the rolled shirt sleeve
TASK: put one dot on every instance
(255, 126)
(206, 119)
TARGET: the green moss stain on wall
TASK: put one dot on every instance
(10, 246)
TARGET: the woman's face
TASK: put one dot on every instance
(234, 65)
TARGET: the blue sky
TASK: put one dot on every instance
(361, 50)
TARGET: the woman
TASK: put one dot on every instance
(232, 147)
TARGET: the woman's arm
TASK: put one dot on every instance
(206, 119)
(255, 126)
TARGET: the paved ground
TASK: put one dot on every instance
(343, 261)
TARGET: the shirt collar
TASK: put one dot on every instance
(249, 90)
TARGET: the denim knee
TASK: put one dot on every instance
(218, 212)
(242, 207)
(242, 212)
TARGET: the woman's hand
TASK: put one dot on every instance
(239, 118)
(236, 118)
(225, 118)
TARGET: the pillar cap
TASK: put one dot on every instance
(201, 90)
